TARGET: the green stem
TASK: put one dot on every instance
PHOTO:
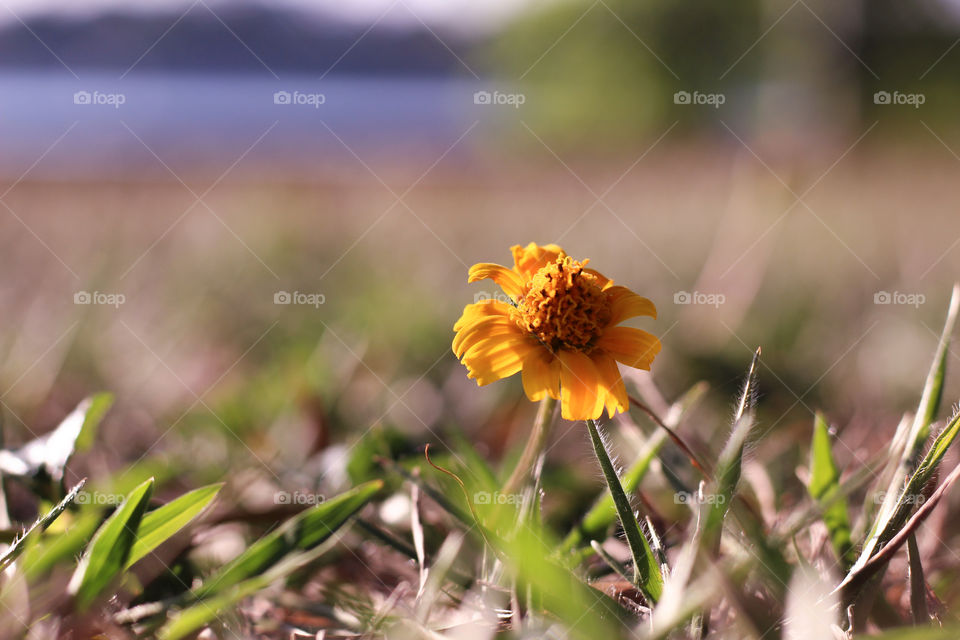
(534, 447)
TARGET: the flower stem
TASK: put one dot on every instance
(534, 447)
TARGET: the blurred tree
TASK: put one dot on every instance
(602, 74)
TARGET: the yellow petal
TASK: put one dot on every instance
(531, 258)
(482, 309)
(625, 304)
(632, 347)
(581, 397)
(541, 375)
(509, 280)
(610, 379)
(497, 358)
(482, 329)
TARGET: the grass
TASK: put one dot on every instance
(485, 559)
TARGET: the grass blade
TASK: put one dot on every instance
(727, 473)
(603, 513)
(162, 523)
(898, 536)
(107, 553)
(586, 612)
(17, 546)
(646, 568)
(825, 489)
(933, 387)
(911, 495)
(918, 584)
(916, 437)
(188, 620)
(301, 532)
(97, 408)
(610, 560)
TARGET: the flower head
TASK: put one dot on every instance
(559, 329)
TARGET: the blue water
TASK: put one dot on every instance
(210, 120)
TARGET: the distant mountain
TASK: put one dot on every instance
(285, 40)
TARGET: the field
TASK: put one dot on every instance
(291, 339)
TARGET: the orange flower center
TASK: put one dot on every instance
(564, 306)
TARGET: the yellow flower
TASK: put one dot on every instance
(560, 331)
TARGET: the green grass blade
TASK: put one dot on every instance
(301, 532)
(188, 620)
(730, 464)
(918, 434)
(162, 523)
(107, 553)
(911, 496)
(99, 405)
(933, 387)
(646, 568)
(825, 489)
(602, 515)
(587, 613)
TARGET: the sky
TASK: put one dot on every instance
(461, 15)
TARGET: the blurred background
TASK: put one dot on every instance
(252, 222)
